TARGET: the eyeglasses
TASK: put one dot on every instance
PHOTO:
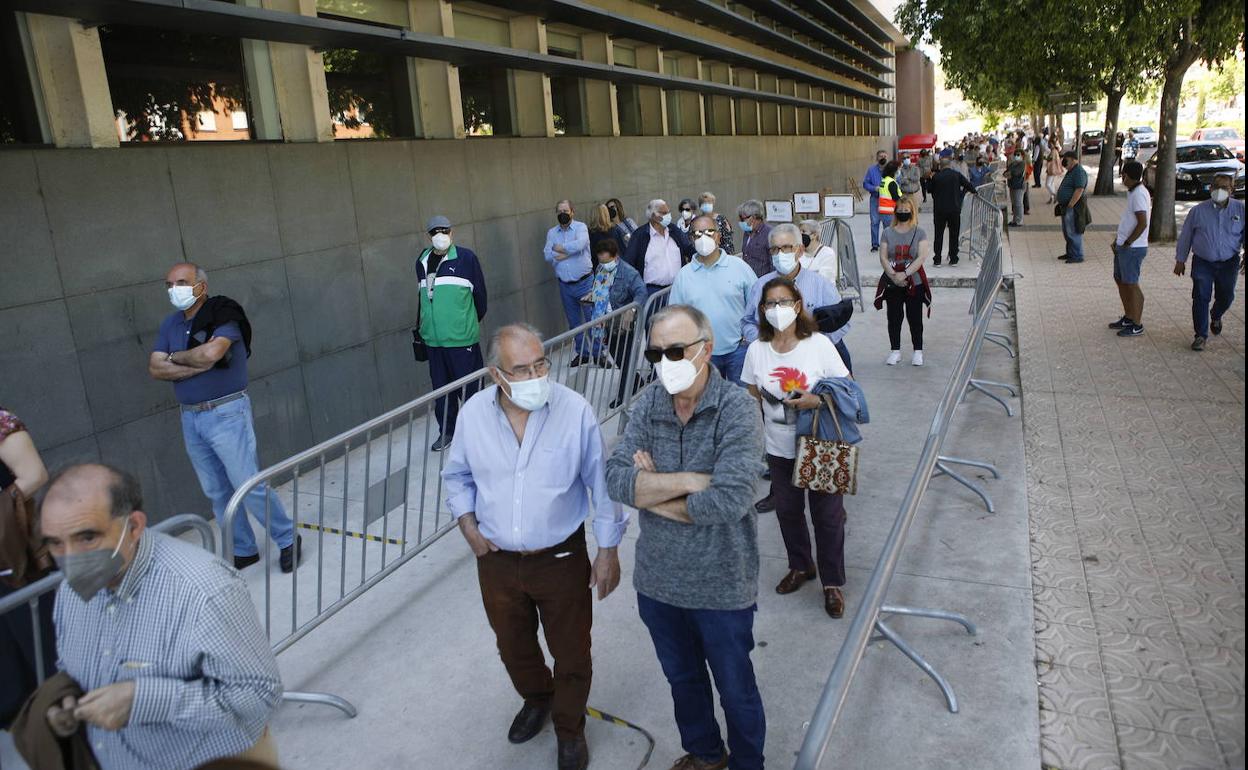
(530, 372)
(672, 353)
(440, 231)
(686, 210)
(789, 249)
(709, 232)
(772, 304)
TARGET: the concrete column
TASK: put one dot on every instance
(747, 109)
(440, 109)
(535, 116)
(653, 106)
(768, 112)
(70, 67)
(299, 83)
(602, 117)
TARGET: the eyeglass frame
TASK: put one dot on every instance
(517, 376)
(774, 250)
(770, 304)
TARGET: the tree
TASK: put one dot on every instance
(1190, 30)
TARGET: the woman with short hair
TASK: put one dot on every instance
(819, 257)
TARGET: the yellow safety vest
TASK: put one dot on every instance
(887, 203)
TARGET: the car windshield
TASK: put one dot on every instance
(1221, 133)
(1144, 130)
(1093, 134)
(1201, 153)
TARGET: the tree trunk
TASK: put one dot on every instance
(1105, 170)
(1161, 226)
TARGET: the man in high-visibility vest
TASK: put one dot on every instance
(889, 193)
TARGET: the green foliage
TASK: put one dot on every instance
(359, 90)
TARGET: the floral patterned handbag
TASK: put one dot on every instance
(823, 465)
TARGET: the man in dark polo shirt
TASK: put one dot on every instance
(202, 349)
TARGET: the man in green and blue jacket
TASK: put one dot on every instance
(452, 305)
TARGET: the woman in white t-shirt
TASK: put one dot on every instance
(781, 368)
(819, 257)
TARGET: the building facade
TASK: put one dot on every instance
(295, 148)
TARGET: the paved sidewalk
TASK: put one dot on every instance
(1135, 486)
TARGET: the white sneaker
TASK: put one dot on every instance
(894, 358)
(918, 358)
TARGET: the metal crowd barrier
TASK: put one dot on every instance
(639, 335)
(870, 622)
(30, 595)
(848, 281)
(371, 502)
(969, 220)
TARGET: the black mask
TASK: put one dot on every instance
(564, 217)
(613, 212)
(805, 240)
(903, 216)
(881, 161)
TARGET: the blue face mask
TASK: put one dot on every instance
(609, 266)
(706, 208)
(666, 219)
(746, 227)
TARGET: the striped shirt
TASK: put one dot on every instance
(183, 626)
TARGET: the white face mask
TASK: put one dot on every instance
(1219, 196)
(666, 219)
(530, 395)
(784, 263)
(441, 242)
(182, 297)
(686, 215)
(781, 318)
(678, 376)
(705, 245)
(609, 266)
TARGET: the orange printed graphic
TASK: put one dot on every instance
(790, 379)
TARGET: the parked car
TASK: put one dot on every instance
(1092, 141)
(1227, 136)
(1146, 135)
(1196, 164)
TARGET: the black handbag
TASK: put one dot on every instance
(420, 351)
(833, 317)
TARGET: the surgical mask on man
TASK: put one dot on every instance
(906, 162)
(678, 376)
(784, 262)
(530, 395)
(1018, 157)
(705, 245)
(564, 218)
(781, 318)
(441, 242)
(89, 572)
(666, 219)
(746, 226)
(706, 208)
(1220, 195)
(182, 297)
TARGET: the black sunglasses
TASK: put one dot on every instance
(673, 353)
(440, 230)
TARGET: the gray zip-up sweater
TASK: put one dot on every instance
(712, 563)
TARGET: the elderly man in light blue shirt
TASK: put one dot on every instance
(525, 471)
(718, 284)
(567, 250)
(1213, 234)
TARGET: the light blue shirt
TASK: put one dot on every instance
(575, 241)
(533, 494)
(816, 290)
(721, 291)
(1213, 233)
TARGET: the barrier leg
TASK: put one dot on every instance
(945, 470)
(921, 612)
(974, 463)
(1000, 339)
(322, 698)
(950, 699)
(979, 386)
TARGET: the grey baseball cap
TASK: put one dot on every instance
(438, 221)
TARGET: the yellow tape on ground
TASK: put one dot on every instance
(349, 533)
(605, 717)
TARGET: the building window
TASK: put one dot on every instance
(388, 13)
(567, 95)
(671, 66)
(369, 94)
(486, 96)
(627, 95)
(19, 120)
(161, 81)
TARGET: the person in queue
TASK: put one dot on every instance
(616, 284)
(904, 287)
(659, 249)
(1213, 235)
(706, 205)
(756, 233)
(567, 251)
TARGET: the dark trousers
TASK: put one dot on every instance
(900, 305)
(844, 351)
(1216, 281)
(827, 514)
(952, 222)
(445, 366)
(1036, 168)
(519, 590)
(923, 186)
(621, 347)
(687, 643)
(17, 654)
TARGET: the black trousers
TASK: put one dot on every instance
(1036, 168)
(901, 306)
(445, 366)
(923, 186)
(953, 222)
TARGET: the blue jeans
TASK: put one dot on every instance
(878, 221)
(687, 642)
(731, 363)
(577, 313)
(843, 349)
(221, 443)
(1074, 239)
(1214, 280)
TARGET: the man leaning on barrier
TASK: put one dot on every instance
(525, 471)
(162, 636)
(688, 461)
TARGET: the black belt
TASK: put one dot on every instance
(577, 280)
(204, 406)
(657, 285)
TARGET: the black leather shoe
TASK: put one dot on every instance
(765, 505)
(1215, 326)
(242, 562)
(292, 554)
(573, 754)
(529, 721)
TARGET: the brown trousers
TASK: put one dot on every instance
(521, 589)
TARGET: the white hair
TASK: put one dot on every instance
(506, 332)
(653, 206)
(751, 208)
(787, 228)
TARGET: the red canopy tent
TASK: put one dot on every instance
(910, 144)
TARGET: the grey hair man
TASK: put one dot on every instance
(521, 491)
(688, 461)
(659, 249)
(754, 244)
(162, 636)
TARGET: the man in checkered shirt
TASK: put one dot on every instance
(162, 636)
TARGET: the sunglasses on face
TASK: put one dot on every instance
(710, 232)
(440, 231)
(688, 210)
(672, 353)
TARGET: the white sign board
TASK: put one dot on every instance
(779, 211)
(838, 206)
(806, 203)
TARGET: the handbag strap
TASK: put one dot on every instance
(830, 404)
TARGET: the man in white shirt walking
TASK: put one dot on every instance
(1130, 246)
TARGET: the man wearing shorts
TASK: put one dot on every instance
(1130, 246)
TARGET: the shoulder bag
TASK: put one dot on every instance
(22, 558)
(825, 465)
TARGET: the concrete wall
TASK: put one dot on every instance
(916, 93)
(317, 242)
